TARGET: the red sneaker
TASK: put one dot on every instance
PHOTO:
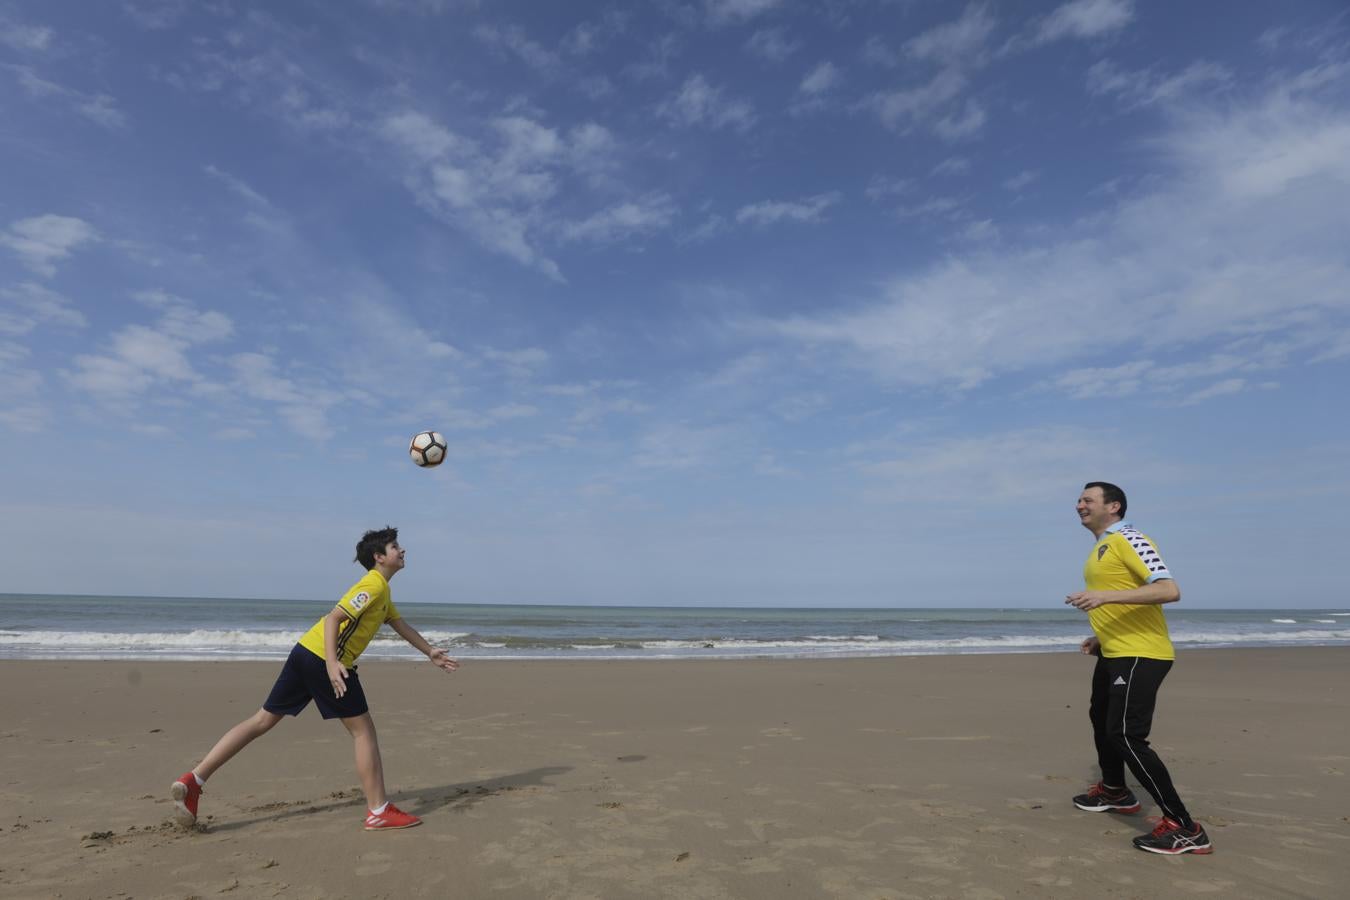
(186, 791)
(392, 817)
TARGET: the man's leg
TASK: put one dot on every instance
(368, 763)
(1131, 719)
(1110, 794)
(1109, 758)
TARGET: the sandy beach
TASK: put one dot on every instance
(885, 778)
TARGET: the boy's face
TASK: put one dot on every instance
(392, 556)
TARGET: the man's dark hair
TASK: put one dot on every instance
(1110, 493)
(373, 542)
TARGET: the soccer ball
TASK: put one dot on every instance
(427, 449)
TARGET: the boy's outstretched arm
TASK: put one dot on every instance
(411, 635)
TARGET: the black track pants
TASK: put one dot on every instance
(1124, 690)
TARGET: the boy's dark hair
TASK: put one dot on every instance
(1110, 494)
(373, 542)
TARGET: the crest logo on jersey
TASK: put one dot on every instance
(1101, 551)
(360, 600)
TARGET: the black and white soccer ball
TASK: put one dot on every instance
(427, 449)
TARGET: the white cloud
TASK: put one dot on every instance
(1161, 384)
(772, 44)
(904, 108)
(1086, 19)
(876, 52)
(141, 356)
(954, 165)
(237, 185)
(25, 37)
(588, 38)
(21, 403)
(42, 241)
(98, 108)
(1218, 389)
(983, 230)
(502, 190)
(623, 220)
(28, 306)
(1004, 467)
(809, 210)
(1241, 236)
(304, 408)
(698, 103)
(397, 332)
(655, 63)
(958, 126)
(419, 135)
(680, 446)
(1021, 180)
(514, 40)
(711, 227)
(510, 411)
(942, 207)
(881, 187)
(1145, 88)
(726, 12)
(155, 15)
(521, 363)
(955, 43)
(820, 80)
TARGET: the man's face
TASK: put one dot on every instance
(1094, 512)
(392, 556)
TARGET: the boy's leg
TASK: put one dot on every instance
(368, 763)
(290, 694)
(187, 790)
(381, 815)
(234, 740)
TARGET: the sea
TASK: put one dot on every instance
(188, 628)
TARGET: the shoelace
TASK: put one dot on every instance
(1164, 826)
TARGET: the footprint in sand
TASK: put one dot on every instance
(1217, 886)
(373, 864)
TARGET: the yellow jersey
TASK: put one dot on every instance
(1122, 559)
(368, 605)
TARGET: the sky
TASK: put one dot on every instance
(717, 302)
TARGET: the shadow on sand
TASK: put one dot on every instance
(420, 802)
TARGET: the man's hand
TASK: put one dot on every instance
(1086, 600)
(442, 661)
(337, 677)
(1090, 646)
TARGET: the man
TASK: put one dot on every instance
(1127, 584)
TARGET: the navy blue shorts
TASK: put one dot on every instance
(305, 678)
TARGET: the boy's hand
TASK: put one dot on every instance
(442, 661)
(1091, 647)
(337, 677)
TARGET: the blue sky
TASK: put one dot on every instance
(716, 301)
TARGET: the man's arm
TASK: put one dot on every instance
(410, 634)
(1164, 590)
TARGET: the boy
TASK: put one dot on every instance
(322, 668)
